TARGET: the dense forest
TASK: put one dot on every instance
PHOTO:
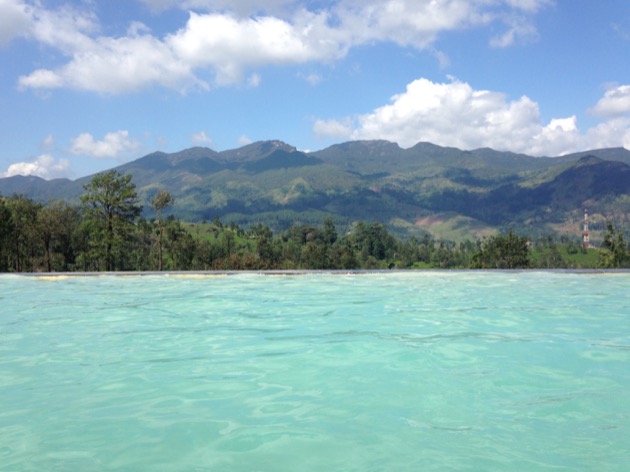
(106, 233)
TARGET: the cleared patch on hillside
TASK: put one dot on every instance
(454, 227)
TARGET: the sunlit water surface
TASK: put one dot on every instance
(316, 372)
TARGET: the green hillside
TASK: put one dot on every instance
(445, 192)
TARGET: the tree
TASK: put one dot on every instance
(179, 245)
(111, 206)
(613, 253)
(372, 240)
(6, 231)
(55, 225)
(504, 251)
(264, 244)
(23, 231)
(66, 239)
(329, 231)
(159, 202)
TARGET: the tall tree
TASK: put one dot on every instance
(180, 245)
(160, 202)
(503, 251)
(6, 231)
(373, 240)
(49, 225)
(614, 251)
(111, 205)
(23, 232)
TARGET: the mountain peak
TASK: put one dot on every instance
(255, 151)
(196, 152)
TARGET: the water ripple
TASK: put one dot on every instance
(401, 371)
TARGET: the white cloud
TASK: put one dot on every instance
(138, 28)
(561, 136)
(519, 30)
(244, 140)
(41, 78)
(67, 29)
(229, 45)
(518, 20)
(14, 20)
(113, 145)
(615, 102)
(612, 133)
(226, 38)
(117, 65)
(219, 42)
(201, 138)
(452, 114)
(455, 114)
(418, 23)
(44, 166)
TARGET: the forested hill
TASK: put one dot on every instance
(444, 191)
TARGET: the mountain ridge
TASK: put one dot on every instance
(275, 183)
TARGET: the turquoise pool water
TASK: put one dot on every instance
(317, 372)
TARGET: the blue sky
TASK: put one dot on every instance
(88, 85)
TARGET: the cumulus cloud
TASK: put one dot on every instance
(44, 166)
(118, 65)
(101, 63)
(615, 102)
(113, 145)
(41, 79)
(612, 133)
(230, 44)
(67, 28)
(223, 39)
(455, 114)
(225, 44)
(14, 20)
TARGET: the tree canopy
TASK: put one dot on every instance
(504, 251)
(614, 249)
(111, 205)
(107, 233)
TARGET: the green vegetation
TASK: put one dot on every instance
(504, 251)
(614, 251)
(160, 202)
(447, 193)
(110, 206)
(107, 233)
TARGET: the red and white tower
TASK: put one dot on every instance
(586, 243)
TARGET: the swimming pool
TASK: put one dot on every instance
(318, 371)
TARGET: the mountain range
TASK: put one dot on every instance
(443, 191)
